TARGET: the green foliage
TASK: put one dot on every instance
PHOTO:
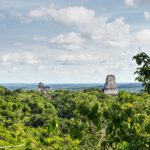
(143, 72)
(73, 120)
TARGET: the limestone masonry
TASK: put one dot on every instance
(110, 86)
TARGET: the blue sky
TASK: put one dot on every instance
(64, 41)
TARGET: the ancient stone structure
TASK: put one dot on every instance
(42, 88)
(110, 86)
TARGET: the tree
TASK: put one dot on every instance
(143, 71)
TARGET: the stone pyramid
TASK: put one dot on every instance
(110, 86)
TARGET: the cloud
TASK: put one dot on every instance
(131, 2)
(97, 28)
(69, 15)
(143, 36)
(19, 58)
(80, 59)
(70, 40)
(147, 15)
(136, 2)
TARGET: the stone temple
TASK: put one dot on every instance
(42, 88)
(110, 86)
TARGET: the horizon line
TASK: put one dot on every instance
(66, 83)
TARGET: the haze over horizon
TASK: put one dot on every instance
(71, 41)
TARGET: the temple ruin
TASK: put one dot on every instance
(42, 88)
(110, 86)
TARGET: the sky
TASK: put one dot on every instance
(72, 41)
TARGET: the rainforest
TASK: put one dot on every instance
(74, 74)
(74, 120)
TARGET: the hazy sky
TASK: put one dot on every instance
(71, 41)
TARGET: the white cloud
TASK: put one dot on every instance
(104, 45)
(143, 36)
(66, 66)
(80, 59)
(38, 12)
(19, 58)
(147, 15)
(136, 2)
(130, 2)
(115, 33)
(70, 15)
(71, 40)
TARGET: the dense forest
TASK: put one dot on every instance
(74, 120)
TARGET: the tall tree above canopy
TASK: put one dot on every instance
(143, 71)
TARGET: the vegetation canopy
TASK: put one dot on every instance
(74, 120)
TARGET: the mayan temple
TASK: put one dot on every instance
(110, 86)
(42, 88)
